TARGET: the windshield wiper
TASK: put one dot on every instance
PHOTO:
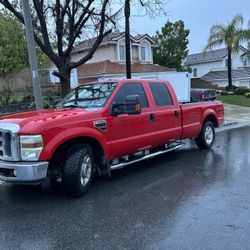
(71, 106)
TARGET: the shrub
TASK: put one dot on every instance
(218, 91)
(5, 96)
(247, 95)
(28, 98)
(224, 92)
(231, 89)
(241, 91)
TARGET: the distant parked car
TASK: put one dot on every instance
(200, 95)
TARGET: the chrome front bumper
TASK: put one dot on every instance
(23, 172)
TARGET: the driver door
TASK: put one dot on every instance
(130, 133)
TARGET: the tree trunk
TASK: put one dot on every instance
(65, 83)
(127, 38)
(229, 70)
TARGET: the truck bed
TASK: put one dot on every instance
(194, 113)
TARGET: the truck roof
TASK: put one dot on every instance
(131, 81)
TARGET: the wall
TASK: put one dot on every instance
(20, 81)
(204, 68)
(238, 83)
(236, 60)
(103, 53)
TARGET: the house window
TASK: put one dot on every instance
(145, 53)
(122, 52)
(194, 72)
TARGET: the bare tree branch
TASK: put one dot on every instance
(99, 38)
(39, 9)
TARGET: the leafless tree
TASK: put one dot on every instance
(59, 24)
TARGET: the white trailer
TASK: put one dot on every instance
(179, 80)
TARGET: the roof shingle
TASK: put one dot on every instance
(210, 56)
(108, 67)
(222, 74)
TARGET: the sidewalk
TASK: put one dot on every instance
(236, 114)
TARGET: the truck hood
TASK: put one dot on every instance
(29, 122)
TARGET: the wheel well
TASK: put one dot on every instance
(212, 119)
(62, 151)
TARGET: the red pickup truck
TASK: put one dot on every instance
(100, 127)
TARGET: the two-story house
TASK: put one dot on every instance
(212, 67)
(109, 59)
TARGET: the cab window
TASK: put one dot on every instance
(161, 94)
(131, 89)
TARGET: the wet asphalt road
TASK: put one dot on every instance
(189, 199)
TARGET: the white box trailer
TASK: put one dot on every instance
(179, 80)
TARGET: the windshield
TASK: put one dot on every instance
(89, 96)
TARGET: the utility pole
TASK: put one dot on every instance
(32, 55)
(127, 38)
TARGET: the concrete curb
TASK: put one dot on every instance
(233, 125)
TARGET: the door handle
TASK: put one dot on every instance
(176, 113)
(152, 117)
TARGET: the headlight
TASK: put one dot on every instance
(31, 147)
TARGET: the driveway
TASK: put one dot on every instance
(236, 114)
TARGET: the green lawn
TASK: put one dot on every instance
(235, 99)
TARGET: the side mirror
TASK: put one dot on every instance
(131, 106)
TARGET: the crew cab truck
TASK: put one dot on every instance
(99, 127)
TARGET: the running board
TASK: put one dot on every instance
(123, 164)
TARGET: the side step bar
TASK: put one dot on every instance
(148, 156)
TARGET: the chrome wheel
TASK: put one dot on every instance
(86, 169)
(209, 135)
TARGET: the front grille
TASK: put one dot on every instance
(9, 145)
(9, 142)
(5, 144)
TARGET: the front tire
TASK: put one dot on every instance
(206, 137)
(78, 170)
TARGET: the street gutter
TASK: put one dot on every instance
(232, 125)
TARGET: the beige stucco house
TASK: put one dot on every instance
(112, 48)
(109, 58)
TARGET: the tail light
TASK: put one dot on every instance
(202, 96)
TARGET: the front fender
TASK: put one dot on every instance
(53, 143)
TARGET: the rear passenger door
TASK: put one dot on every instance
(167, 115)
(130, 133)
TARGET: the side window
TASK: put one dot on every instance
(161, 94)
(131, 89)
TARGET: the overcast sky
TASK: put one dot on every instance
(198, 16)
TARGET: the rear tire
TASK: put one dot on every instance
(78, 170)
(206, 137)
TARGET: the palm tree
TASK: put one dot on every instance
(231, 36)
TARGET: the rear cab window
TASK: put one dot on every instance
(131, 89)
(161, 94)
